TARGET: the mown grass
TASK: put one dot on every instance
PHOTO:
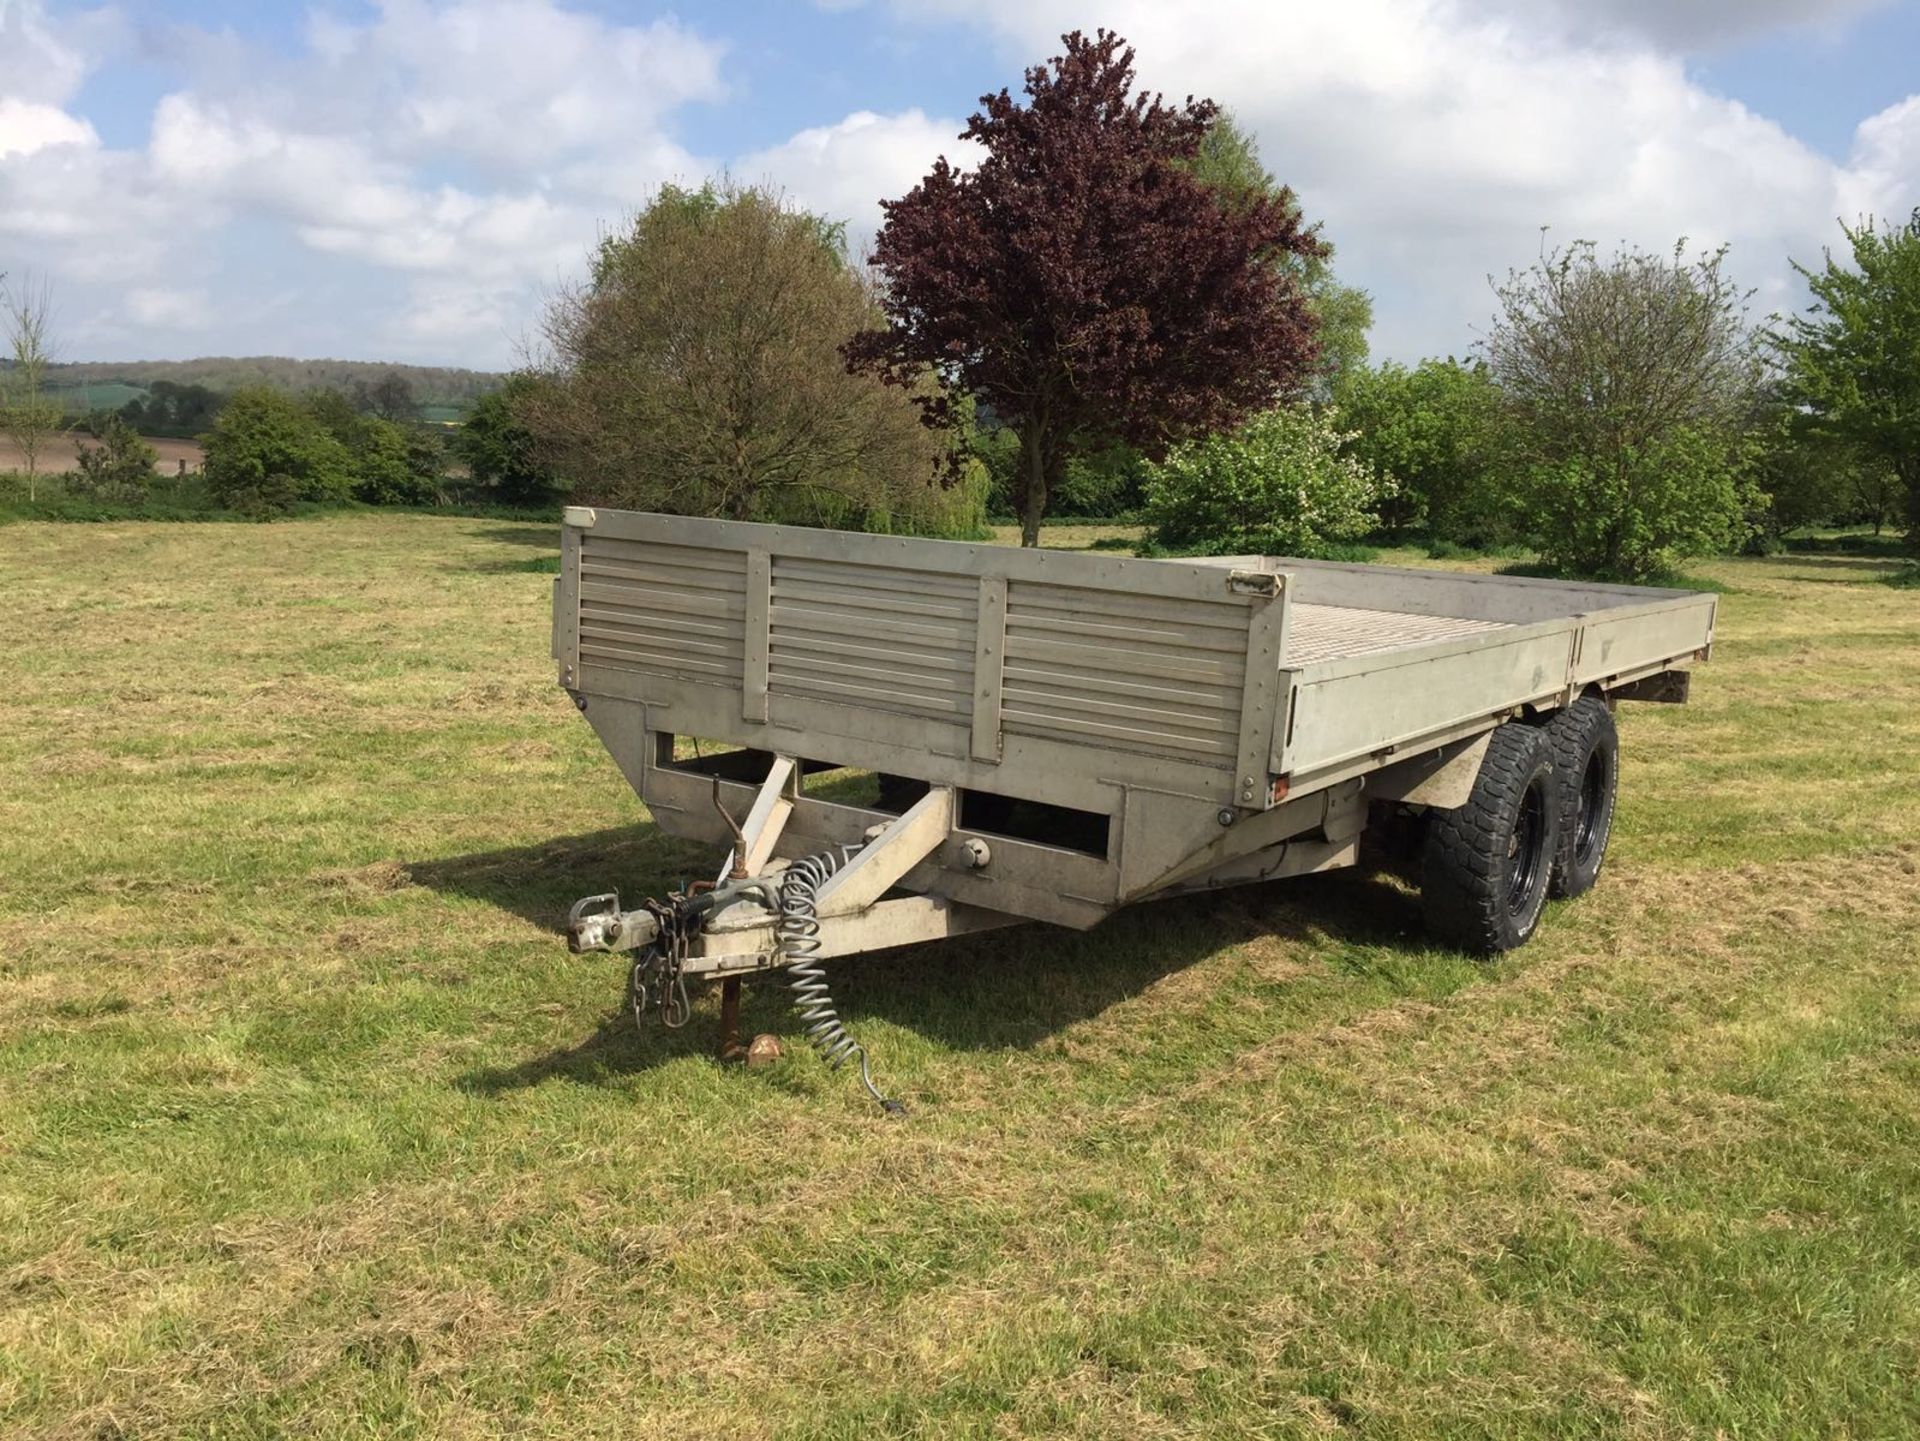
(310, 1126)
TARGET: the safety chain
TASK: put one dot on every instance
(658, 978)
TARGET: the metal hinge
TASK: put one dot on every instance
(1254, 582)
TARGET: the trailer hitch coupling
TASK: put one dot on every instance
(596, 923)
(661, 933)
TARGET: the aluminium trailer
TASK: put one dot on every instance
(1050, 736)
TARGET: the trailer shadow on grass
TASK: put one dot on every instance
(542, 537)
(1018, 988)
(1012, 989)
(539, 882)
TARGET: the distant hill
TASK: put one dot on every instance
(442, 391)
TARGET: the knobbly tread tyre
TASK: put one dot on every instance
(1466, 872)
(1577, 733)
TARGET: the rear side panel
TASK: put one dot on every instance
(1060, 677)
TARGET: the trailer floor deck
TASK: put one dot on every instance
(1332, 632)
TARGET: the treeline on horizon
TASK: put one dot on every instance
(435, 387)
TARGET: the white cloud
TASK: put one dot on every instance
(1700, 24)
(471, 147)
(1883, 176)
(167, 309)
(1434, 142)
(844, 171)
(416, 173)
(44, 62)
(26, 126)
(509, 85)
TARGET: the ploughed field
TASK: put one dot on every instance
(310, 1125)
(60, 454)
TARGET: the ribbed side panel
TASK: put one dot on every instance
(889, 640)
(1136, 673)
(663, 609)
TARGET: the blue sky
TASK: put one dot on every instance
(407, 179)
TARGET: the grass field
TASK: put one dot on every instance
(310, 1126)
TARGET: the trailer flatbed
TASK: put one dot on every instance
(1054, 735)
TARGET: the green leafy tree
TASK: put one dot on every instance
(29, 416)
(1806, 481)
(1098, 485)
(1811, 476)
(1853, 359)
(500, 449)
(1627, 384)
(335, 412)
(698, 371)
(170, 408)
(1875, 494)
(1435, 431)
(391, 463)
(267, 450)
(1283, 484)
(1636, 512)
(382, 466)
(1101, 483)
(119, 470)
(427, 461)
(1229, 162)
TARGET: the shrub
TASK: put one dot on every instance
(119, 470)
(1434, 430)
(500, 451)
(1280, 485)
(266, 451)
(393, 464)
(1647, 507)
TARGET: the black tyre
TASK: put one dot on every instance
(1487, 864)
(1586, 753)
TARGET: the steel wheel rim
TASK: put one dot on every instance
(1525, 850)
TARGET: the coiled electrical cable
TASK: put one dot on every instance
(798, 936)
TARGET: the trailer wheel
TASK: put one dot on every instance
(1586, 753)
(1487, 863)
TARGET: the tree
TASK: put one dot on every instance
(390, 397)
(1082, 282)
(1283, 484)
(119, 469)
(698, 371)
(1435, 431)
(266, 451)
(1853, 359)
(1806, 480)
(29, 417)
(1627, 384)
(1229, 162)
(1875, 495)
(387, 469)
(390, 463)
(500, 450)
(1633, 515)
(173, 409)
(1812, 476)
